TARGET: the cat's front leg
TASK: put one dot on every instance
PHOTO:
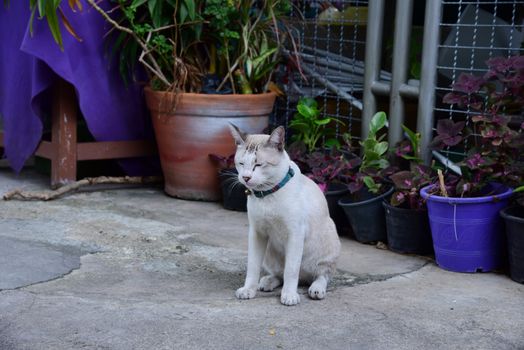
(294, 251)
(257, 244)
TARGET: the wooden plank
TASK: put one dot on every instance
(46, 149)
(115, 149)
(63, 149)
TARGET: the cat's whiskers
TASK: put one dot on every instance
(231, 181)
(233, 184)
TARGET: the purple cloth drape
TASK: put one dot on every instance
(29, 64)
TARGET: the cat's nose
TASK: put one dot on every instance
(246, 178)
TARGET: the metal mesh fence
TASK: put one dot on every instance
(331, 44)
(332, 41)
(473, 32)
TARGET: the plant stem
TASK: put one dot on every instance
(442, 185)
(156, 68)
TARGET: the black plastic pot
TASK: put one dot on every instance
(233, 192)
(333, 194)
(514, 218)
(408, 230)
(366, 216)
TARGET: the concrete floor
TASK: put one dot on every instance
(135, 269)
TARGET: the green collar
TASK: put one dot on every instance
(285, 180)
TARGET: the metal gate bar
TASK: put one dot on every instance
(399, 88)
(428, 76)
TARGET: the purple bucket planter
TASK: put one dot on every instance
(468, 233)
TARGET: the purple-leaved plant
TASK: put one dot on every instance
(409, 182)
(496, 135)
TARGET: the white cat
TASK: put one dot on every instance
(290, 230)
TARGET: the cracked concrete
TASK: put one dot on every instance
(135, 269)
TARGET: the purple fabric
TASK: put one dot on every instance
(31, 63)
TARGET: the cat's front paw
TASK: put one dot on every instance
(245, 293)
(290, 298)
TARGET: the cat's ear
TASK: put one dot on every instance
(277, 138)
(238, 135)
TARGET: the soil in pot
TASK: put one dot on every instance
(408, 230)
(365, 214)
(514, 218)
(233, 192)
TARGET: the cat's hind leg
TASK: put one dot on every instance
(269, 283)
(317, 290)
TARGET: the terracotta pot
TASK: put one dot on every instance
(188, 127)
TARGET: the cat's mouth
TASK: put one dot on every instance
(252, 186)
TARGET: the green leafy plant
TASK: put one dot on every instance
(409, 148)
(409, 181)
(372, 186)
(186, 45)
(310, 128)
(201, 45)
(519, 191)
(374, 149)
(375, 167)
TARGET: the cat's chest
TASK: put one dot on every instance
(263, 216)
(272, 218)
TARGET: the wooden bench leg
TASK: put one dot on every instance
(63, 136)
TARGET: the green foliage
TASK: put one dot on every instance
(372, 186)
(310, 128)
(238, 41)
(51, 11)
(519, 189)
(409, 148)
(374, 149)
(181, 41)
(374, 166)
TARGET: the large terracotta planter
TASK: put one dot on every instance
(195, 126)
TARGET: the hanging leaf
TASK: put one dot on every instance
(68, 26)
(155, 10)
(182, 13)
(52, 21)
(190, 6)
(137, 3)
(75, 3)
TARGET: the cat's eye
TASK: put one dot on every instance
(257, 165)
(241, 163)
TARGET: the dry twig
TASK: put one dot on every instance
(88, 181)
(442, 185)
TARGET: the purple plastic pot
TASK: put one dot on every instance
(468, 233)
